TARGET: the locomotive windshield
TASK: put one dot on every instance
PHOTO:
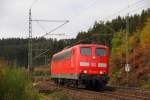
(86, 51)
(100, 52)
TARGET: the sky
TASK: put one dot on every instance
(14, 15)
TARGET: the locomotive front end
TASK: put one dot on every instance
(93, 65)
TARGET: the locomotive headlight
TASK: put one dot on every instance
(84, 64)
(84, 71)
(102, 65)
(101, 72)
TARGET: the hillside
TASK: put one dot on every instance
(139, 54)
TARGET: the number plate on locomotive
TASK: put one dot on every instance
(93, 64)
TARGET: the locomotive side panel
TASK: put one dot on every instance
(64, 65)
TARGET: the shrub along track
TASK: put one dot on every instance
(110, 93)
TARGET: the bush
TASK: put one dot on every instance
(15, 84)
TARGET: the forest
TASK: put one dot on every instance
(14, 51)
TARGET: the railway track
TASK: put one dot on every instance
(111, 93)
(134, 91)
(117, 95)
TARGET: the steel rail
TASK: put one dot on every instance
(102, 94)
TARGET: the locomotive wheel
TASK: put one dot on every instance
(89, 85)
(100, 86)
(60, 81)
(76, 83)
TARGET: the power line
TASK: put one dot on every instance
(33, 4)
(139, 7)
(90, 38)
(41, 26)
(51, 20)
(118, 11)
(123, 9)
(13, 46)
(115, 14)
(41, 54)
(39, 49)
(91, 4)
(58, 34)
(49, 33)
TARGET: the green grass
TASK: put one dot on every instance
(15, 84)
(58, 95)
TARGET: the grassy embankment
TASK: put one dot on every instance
(42, 73)
(16, 84)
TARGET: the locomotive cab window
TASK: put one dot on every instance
(100, 52)
(86, 51)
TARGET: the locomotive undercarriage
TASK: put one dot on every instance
(95, 82)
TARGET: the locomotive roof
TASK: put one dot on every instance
(79, 45)
(91, 45)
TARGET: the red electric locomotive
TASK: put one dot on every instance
(85, 64)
